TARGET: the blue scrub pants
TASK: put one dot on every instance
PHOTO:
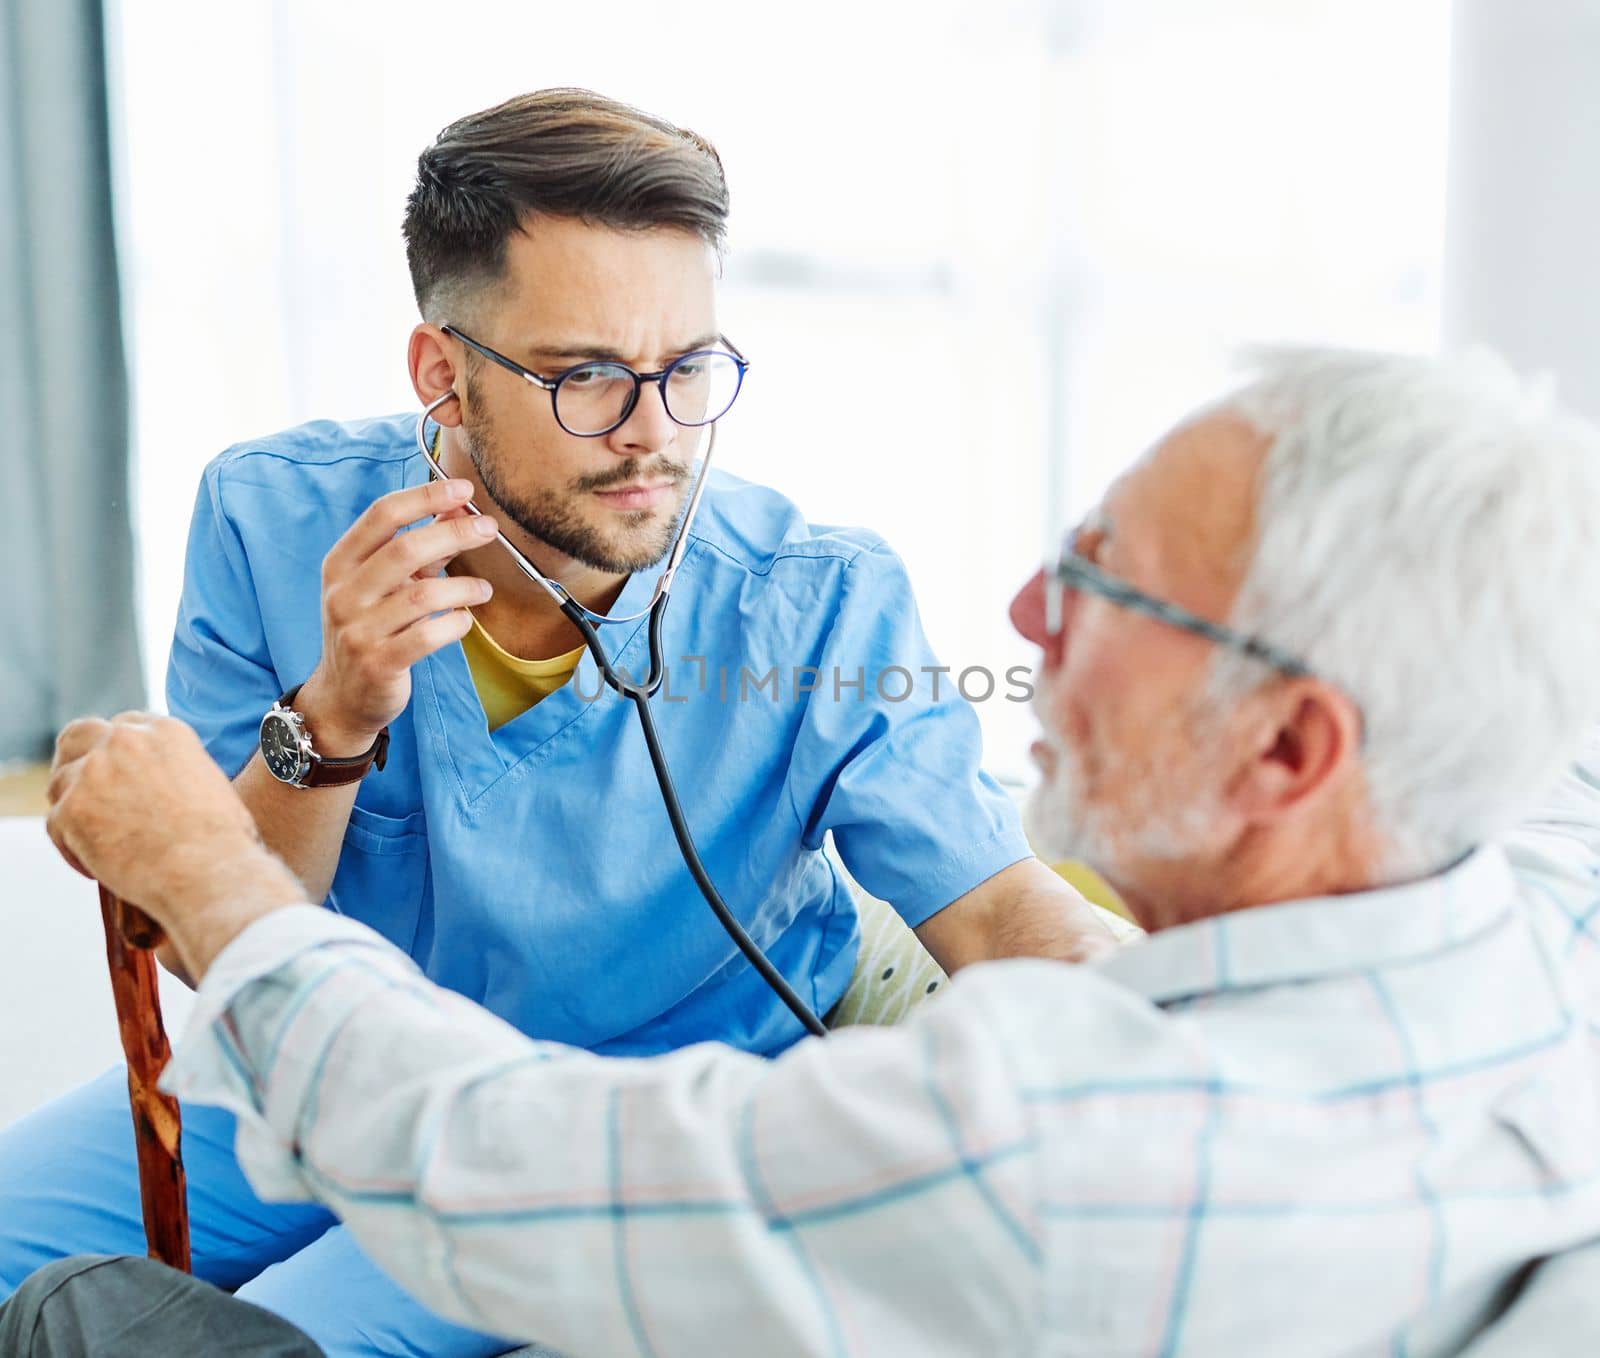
(69, 1184)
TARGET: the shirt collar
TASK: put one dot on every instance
(1307, 939)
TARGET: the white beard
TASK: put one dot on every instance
(1161, 818)
(1053, 816)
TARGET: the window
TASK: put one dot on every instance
(1020, 240)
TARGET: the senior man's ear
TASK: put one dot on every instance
(1308, 740)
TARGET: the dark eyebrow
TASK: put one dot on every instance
(600, 353)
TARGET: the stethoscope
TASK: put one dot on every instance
(586, 620)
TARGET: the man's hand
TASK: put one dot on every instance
(385, 606)
(138, 804)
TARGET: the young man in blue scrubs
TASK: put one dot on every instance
(513, 840)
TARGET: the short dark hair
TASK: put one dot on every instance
(562, 153)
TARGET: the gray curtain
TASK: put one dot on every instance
(68, 643)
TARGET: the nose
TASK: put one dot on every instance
(648, 428)
(1027, 610)
(1028, 617)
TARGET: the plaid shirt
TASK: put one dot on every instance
(1324, 1127)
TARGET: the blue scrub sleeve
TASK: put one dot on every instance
(220, 677)
(888, 756)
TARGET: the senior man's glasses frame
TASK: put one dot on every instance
(604, 393)
(1072, 570)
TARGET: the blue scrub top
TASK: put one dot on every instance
(534, 869)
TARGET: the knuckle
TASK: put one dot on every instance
(353, 652)
(78, 726)
(406, 554)
(400, 507)
(382, 510)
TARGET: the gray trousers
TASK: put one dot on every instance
(98, 1306)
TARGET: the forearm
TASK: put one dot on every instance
(215, 899)
(542, 1193)
(303, 826)
(493, 1153)
(1025, 910)
(303, 830)
(215, 896)
(1059, 924)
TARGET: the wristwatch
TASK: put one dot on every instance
(287, 753)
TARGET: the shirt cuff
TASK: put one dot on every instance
(269, 942)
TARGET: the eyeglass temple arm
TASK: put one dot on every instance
(1071, 574)
(544, 384)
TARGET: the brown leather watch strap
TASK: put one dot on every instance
(325, 772)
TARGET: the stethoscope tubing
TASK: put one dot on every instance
(639, 693)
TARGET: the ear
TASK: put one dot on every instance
(435, 361)
(1308, 738)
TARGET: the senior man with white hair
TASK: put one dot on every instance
(1313, 658)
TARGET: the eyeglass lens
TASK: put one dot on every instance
(698, 389)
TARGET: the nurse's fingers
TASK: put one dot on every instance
(417, 599)
(386, 516)
(425, 637)
(482, 524)
(406, 559)
(422, 551)
(434, 567)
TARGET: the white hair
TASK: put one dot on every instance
(1428, 540)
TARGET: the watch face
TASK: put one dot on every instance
(280, 748)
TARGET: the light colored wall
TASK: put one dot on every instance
(1522, 264)
(57, 1024)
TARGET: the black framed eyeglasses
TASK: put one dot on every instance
(1071, 570)
(593, 398)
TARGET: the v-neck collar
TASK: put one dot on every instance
(449, 717)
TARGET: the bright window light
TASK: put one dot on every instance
(980, 258)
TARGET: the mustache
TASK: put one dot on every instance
(664, 470)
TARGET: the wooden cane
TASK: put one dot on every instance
(157, 1124)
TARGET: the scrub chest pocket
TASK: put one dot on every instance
(383, 873)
